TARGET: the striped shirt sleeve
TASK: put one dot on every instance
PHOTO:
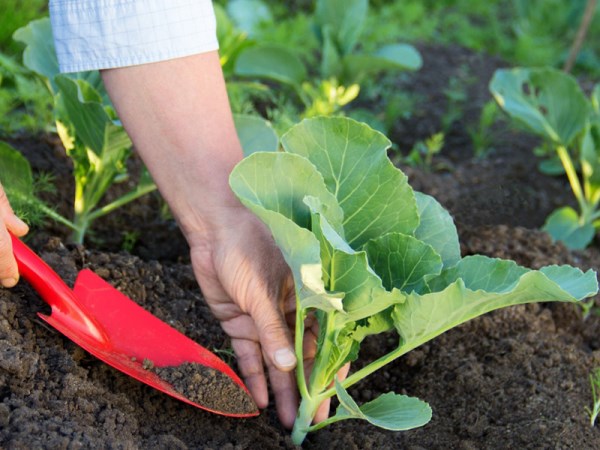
(102, 34)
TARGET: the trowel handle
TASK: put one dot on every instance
(54, 291)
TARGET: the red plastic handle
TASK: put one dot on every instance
(53, 290)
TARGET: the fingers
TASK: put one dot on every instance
(250, 362)
(275, 337)
(284, 389)
(9, 274)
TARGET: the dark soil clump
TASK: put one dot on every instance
(208, 387)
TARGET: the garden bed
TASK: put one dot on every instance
(516, 378)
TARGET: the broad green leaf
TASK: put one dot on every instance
(481, 272)
(423, 317)
(389, 411)
(15, 172)
(345, 18)
(256, 134)
(88, 117)
(348, 271)
(273, 186)
(565, 225)
(548, 101)
(248, 15)
(403, 262)
(331, 65)
(437, 229)
(272, 62)
(352, 158)
(390, 57)
(40, 56)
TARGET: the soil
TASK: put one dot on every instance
(515, 378)
(209, 387)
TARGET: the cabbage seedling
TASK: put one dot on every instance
(551, 104)
(369, 255)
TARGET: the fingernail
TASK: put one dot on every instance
(285, 358)
(9, 282)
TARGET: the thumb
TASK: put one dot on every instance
(15, 225)
(275, 338)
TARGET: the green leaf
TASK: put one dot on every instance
(256, 134)
(590, 162)
(40, 56)
(390, 57)
(272, 62)
(348, 271)
(248, 15)
(403, 262)
(345, 18)
(273, 186)
(548, 101)
(374, 195)
(15, 173)
(85, 113)
(565, 225)
(423, 317)
(437, 229)
(331, 60)
(389, 411)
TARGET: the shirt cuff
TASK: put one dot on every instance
(103, 34)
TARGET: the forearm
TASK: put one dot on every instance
(177, 115)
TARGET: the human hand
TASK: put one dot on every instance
(250, 290)
(9, 273)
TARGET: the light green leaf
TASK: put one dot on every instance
(273, 186)
(423, 317)
(548, 101)
(595, 98)
(87, 116)
(272, 62)
(565, 225)
(390, 57)
(248, 15)
(376, 324)
(348, 271)
(331, 60)
(15, 173)
(40, 55)
(345, 18)
(389, 411)
(437, 229)
(352, 158)
(481, 272)
(403, 262)
(256, 134)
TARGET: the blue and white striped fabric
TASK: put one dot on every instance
(102, 34)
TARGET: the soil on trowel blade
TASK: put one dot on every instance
(208, 387)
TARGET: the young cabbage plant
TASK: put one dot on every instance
(370, 255)
(551, 104)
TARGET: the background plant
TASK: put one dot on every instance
(551, 104)
(595, 385)
(369, 255)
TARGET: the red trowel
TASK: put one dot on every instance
(119, 332)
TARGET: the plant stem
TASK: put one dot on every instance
(586, 20)
(567, 163)
(123, 200)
